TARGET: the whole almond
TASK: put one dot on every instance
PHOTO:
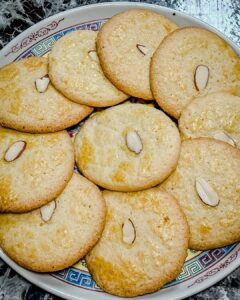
(201, 77)
(222, 136)
(48, 210)
(15, 151)
(42, 83)
(134, 142)
(93, 55)
(206, 192)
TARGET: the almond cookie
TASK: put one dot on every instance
(125, 45)
(143, 245)
(58, 234)
(128, 147)
(215, 115)
(75, 70)
(30, 103)
(192, 62)
(34, 168)
(206, 185)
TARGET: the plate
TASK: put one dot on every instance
(201, 269)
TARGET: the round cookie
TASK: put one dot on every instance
(26, 109)
(192, 62)
(75, 71)
(125, 45)
(128, 147)
(70, 230)
(214, 165)
(143, 245)
(215, 115)
(34, 168)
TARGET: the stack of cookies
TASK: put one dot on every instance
(160, 173)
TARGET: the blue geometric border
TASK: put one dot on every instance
(45, 45)
(191, 268)
(77, 278)
(201, 263)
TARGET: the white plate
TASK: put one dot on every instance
(202, 269)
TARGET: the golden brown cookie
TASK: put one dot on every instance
(128, 147)
(125, 45)
(30, 103)
(34, 168)
(143, 245)
(192, 62)
(57, 235)
(75, 70)
(206, 184)
(215, 115)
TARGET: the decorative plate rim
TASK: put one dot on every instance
(51, 287)
(221, 268)
(117, 4)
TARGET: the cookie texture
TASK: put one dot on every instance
(125, 45)
(38, 174)
(75, 70)
(192, 62)
(25, 109)
(218, 164)
(154, 257)
(128, 147)
(74, 227)
(215, 115)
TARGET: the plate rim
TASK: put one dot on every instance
(54, 289)
(118, 4)
(184, 293)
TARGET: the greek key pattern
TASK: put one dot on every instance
(77, 278)
(199, 264)
(45, 45)
(214, 271)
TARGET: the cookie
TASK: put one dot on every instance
(143, 245)
(75, 71)
(34, 168)
(30, 103)
(206, 185)
(192, 62)
(58, 234)
(128, 147)
(215, 115)
(125, 45)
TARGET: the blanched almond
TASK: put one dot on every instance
(42, 83)
(93, 55)
(201, 77)
(129, 232)
(134, 142)
(224, 137)
(15, 151)
(48, 210)
(141, 48)
(206, 192)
